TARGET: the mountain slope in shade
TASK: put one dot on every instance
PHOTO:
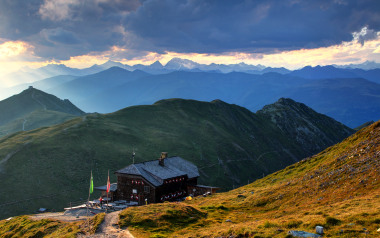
(327, 72)
(29, 75)
(86, 86)
(228, 143)
(338, 189)
(43, 85)
(352, 101)
(248, 90)
(313, 130)
(25, 111)
(33, 120)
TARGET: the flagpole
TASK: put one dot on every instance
(90, 190)
(108, 187)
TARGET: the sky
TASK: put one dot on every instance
(277, 33)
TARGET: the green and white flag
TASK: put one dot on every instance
(91, 184)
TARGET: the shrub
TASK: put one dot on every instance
(260, 203)
(158, 236)
(268, 224)
(331, 221)
(376, 221)
(293, 224)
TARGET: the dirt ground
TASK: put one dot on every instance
(58, 216)
(109, 227)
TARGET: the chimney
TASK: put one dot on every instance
(161, 160)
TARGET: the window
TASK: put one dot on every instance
(146, 189)
(134, 190)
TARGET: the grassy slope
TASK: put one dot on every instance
(230, 145)
(30, 100)
(35, 119)
(36, 108)
(338, 188)
(23, 226)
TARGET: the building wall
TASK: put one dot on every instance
(128, 184)
(171, 191)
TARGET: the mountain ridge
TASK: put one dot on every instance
(368, 70)
(329, 71)
(228, 143)
(20, 111)
(328, 96)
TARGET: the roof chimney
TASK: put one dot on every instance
(161, 160)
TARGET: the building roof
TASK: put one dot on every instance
(113, 187)
(156, 174)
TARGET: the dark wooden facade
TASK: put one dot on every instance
(166, 179)
(135, 188)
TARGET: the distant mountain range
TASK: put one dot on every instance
(366, 65)
(351, 96)
(352, 101)
(32, 109)
(230, 145)
(28, 75)
(330, 72)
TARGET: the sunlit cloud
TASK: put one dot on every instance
(352, 52)
(346, 53)
(11, 49)
(15, 55)
(356, 51)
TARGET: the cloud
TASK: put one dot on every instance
(60, 10)
(364, 35)
(57, 10)
(61, 29)
(248, 26)
(60, 36)
(12, 49)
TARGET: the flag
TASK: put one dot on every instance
(108, 182)
(91, 184)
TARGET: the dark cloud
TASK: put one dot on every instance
(62, 28)
(60, 36)
(254, 26)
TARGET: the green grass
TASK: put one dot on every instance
(229, 144)
(162, 219)
(269, 207)
(33, 120)
(23, 226)
(294, 198)
(94, 223)
(31, 100)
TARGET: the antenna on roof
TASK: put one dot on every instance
(133, 155)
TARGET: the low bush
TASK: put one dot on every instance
(331, 221)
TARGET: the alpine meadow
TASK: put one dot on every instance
(189, 118)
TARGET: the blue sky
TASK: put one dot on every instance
(286, 33)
